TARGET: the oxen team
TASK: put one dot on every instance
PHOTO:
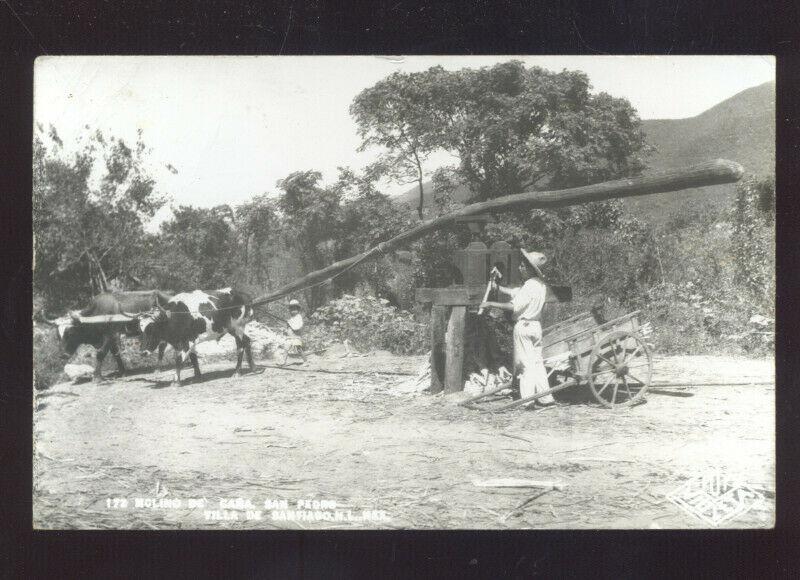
(181, 320)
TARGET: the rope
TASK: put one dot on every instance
(248, 304)
(275, 317)
(245, 305)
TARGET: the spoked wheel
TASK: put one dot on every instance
(620, 369)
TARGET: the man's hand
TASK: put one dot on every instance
(485, 305)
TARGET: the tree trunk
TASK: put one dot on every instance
(421, 198)
(711, 173)
(103, 279)
(100, 275)
(421, 188)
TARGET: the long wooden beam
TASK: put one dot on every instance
(704, 174)
(105, 319)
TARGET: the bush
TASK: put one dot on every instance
(368, 323)
(694, 319)
(718, 276)
(703, 306)
(47, 363)
(753, 239)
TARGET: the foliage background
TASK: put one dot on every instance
(699, 272)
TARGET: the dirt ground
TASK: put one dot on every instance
(347, 430)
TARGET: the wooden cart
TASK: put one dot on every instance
(611, 358)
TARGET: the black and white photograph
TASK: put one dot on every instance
(403, 292)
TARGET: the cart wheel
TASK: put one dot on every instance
(620, 369)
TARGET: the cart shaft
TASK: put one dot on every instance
(561, 387)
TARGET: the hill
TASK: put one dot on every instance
(741, 128)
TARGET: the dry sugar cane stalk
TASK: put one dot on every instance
(512, 482)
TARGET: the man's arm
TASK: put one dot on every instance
(501, 305)
(510, 292)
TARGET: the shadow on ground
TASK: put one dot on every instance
(203, 378)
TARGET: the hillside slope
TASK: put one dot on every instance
(741, 128)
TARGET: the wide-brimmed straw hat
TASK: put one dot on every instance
(535, 259)
(294, 304)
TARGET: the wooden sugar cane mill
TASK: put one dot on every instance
(476, 265)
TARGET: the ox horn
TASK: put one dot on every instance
(43, 318)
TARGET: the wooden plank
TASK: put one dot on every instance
(454, 295)
(424, 294)
(525, 400)
(105, 319)
(516, 482)
(581, 344)
(566, 321)
(469, 402)
(438, 329)
(621, 323)
(454, 350)
(473, 295)
(584, 342)
(554, 335)
(557, 348)
(483, 350)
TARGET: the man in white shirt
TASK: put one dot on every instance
(526, 307)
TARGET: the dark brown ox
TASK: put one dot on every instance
(105, 336)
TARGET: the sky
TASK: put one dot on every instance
(234, 126)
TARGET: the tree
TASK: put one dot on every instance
(195, 249)
(258, 230)
(395, 114)
(88, 214)
(513, 128)
(311, 217)
(368, 217)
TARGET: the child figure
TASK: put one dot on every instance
(294, 343)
